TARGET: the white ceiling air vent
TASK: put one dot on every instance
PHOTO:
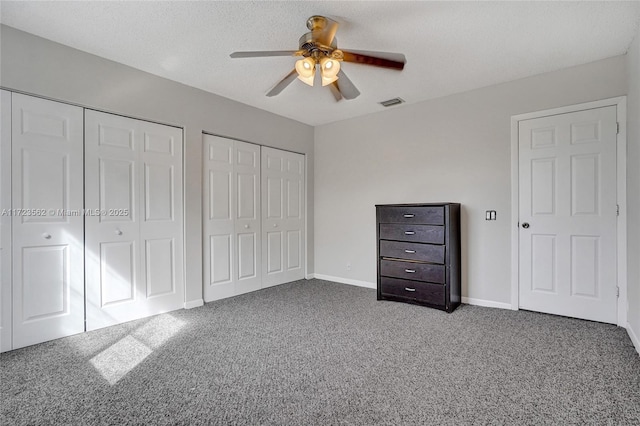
(392, 102)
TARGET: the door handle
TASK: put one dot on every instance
(46, 236)
(275, 225)
(525, 225)
(246, 227)
(118, 232)
(410, 251)
(410, 271)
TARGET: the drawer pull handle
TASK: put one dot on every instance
(409, 233)
(410, 251)
(410, 289)
(409, 215)
(410, 271)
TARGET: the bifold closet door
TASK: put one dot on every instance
(5, 221)
(134, 225)
(231, 204)
(47, 222)
(283, 216)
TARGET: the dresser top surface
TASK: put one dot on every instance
(417, 205)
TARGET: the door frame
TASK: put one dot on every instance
(621, 189)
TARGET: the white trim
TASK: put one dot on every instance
(193, 304)
(634, 338)
(309, 277)
(621, 112)
(349, 281)
(485, 303)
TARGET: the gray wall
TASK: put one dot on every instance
(38, 66)
(633, 185)
(456, 148)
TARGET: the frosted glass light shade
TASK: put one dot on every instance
(329, 69)
(306, 69)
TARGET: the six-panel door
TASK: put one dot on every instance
(568, 214)
(134, 224)
(283, 213)
(47, 222)
(231, 225)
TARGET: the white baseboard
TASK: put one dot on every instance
(467, 300)
(309, 277)
(193, 303)
(345, 281)
(634, 338)
(486, 303)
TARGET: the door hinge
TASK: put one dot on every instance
(617, 209)
(617, 291)
(617, 128)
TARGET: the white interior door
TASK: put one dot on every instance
(5, 221)
(47, 225)
(283, 214)
(134, 225)
(567, 206)
(231, 204)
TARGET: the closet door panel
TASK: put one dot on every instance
(112, 241)
(5, 221)
(47, 202)
(247, 218)
(161, 227)
(231, 200)
(283, 218)
(219, 200)
(134, 243)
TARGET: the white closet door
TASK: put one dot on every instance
(5, 221)
(247, 216)
(48, 269)
(134, 229)
(283, 213)
(231, 203)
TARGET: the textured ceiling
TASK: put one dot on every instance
(450, 46)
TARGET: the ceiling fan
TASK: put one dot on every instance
(319, 48)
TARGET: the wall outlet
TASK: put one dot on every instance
(490, 215)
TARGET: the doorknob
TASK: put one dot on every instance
(525, 225)
(46, 236)
(118, 232)
(275, 225)
(246, 227)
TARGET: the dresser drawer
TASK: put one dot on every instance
(413, 214)
(415, 233)
(412, 251)
(424, 292)
(413, 271)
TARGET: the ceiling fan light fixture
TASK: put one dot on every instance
(306, 69)
(329, 69)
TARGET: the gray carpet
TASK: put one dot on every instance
(320, 353)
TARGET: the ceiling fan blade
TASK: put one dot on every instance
(283, 83)
(335, 90)
(328, 34)
(263, 53)
(346, 87)
(377, 59)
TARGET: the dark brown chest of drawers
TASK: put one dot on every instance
(419, 254)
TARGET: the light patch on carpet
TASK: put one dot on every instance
(123, 356)
(156, 332)
(116, 361)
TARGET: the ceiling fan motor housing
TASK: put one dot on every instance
(309, 44)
